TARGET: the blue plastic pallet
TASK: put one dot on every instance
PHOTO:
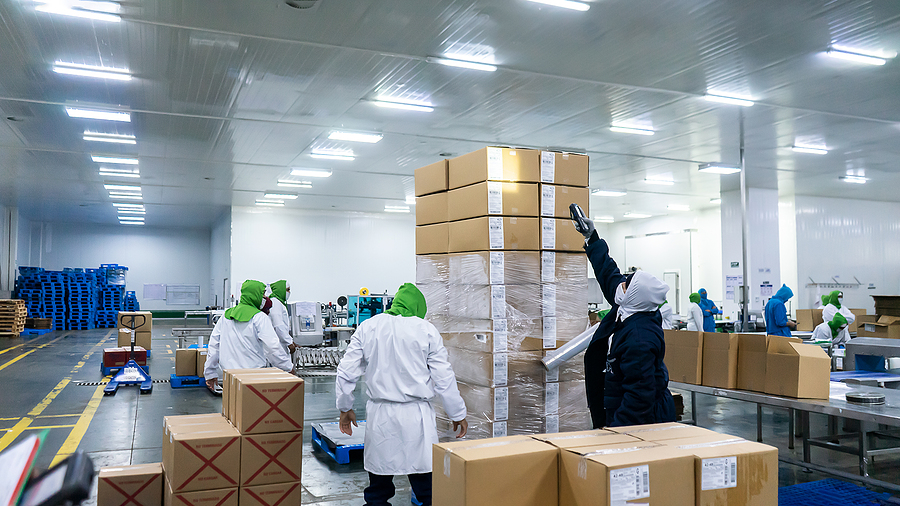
(111, 370)
(828, 492)
(35, 332)
(186, 381)
(341, 454)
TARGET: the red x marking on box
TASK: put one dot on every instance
(273, 406)
(207, 463)
(130, 497)
(220, 503)
(276, 503)
(272, 458)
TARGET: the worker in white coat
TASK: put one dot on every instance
(831, 331)
(834, 304)
(695, 313)
(279, 292)
(668, 316)
(406, 366)
(244, 338)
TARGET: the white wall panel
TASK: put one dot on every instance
(220, 260)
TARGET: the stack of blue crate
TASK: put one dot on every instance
(81, 306)
(28, 289)
(53, 293)
(131, 302)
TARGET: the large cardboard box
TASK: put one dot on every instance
(281, 494)
(853, 327)
(495, 164)
(861, 322)
(267, 403)
(512, 470)
(432, 268)
(752, 362)
(201, 456)
(623, 474)
(186, 362)
(495, 268)
(228, 382)
(557, 267)
(564, 169)
(595, 437)
(555, 200)
(794, 369)
(659, 432)
(118, 357)
(271, 458)
(720, 360)
(138, 485)
(684, 355)
(886, 327)
(560, 235)
(141, 339)
(201, 360)
(216, 497)
(432, 239)
(431, 209)
(887, 305)
(496, 369)
(432, 178)
(124, 320)
(493, 198)
(494, 233)
(807, 319)
(491, 342)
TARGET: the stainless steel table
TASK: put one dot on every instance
(198, 334)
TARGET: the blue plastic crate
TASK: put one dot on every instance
(828, 492)
(186, 381)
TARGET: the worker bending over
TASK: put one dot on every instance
(777, 322)
(833, 306)
(832, 331)
(625, 378)
(710, 310)
(279, 292)
(406, 366)
(244, 338)
(695, 314)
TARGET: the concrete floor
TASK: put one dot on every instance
(40, 388)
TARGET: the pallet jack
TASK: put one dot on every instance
(131, 373)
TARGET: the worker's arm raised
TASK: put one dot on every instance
(605, 269)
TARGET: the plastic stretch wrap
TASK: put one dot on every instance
(563, 267)
(432, 269)
(531, 301)
(523, 401)
(571, 370)
(570, 349)
(437, 299)
(478, 429)
(495, 268)
(496, 369)
(508, 334)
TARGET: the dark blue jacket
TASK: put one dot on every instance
(709, 319)
(776, 313)
(634, 389)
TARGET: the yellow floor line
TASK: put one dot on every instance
(29, 352)
(60, 416)
(81, 427)
(10, 419)
(11, 348)
(50, 427)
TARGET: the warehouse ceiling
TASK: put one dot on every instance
(225, 99)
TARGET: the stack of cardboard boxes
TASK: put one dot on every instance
(808, 319)
(190, 361)
(143, 328)
(505, 278)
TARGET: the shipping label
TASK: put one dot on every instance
(548, 299)
(495, 197)
(495, 163)
(501, 369)
(548, 267)
(548, 200)
(501, 403)
(499, 326)
(551, 375)
(498, 301)
(552, 424)
(497, 267)
(549, 332)
(719, 473)
(495, 232)
(548, 233)
(551, 399)
(499, 429)
(548, 167)
(501, 342)
(629, 483)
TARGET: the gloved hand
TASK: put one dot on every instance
(589, 223)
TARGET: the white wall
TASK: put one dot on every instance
(323, 254)
(152, 255)
(220, 260)
(8, 240)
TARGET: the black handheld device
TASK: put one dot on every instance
(66, 484)
(578, 218)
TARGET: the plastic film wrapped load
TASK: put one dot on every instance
(495, 268)
(437, 299)
(432, 269)
(530, 301)
(514, 334)
(496, 369)
(563, 267)
(571, 370)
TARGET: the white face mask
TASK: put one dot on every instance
(620, 295)
(840, 300)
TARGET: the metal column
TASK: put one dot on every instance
(745, 230)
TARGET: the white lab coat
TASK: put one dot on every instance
(828, 313)
(668, 317)
(822, 333)
(406, 366)
(695, 317)
(244, 345)
(281, 321)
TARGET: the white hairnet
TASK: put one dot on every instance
(645, 293)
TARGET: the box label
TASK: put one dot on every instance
(719, 473)
(497, 267)
(549, 333)
(495, 197)
(495, 163)
(548, 267)
(499, 429)
(629, 483)
(551, 375)
(501, 369)
(498, 301)
(548, 299)
(552, 424)
(548, 200)
(501, 403)
(551, 399)
(499, 326)
(548, 233)
(495, 232)
(501, 342)
(548, 167)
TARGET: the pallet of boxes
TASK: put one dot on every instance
(504, 276)
(251, 454)
(12, 317)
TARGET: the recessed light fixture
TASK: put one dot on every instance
(127, 205)
(108, 159)
(311, 172)
(635, 215)
(75, 112)
(269, 203)
(280, 196)
(107, 173)
(856, 55)
(122, 187)
(565, 4)
(100, 72)
(333, 154)
(95, 10)
(726, 98)
(128, 211)
(284, 183)
(604, 219)
(410, 200)
(854, 179)
(465, 64)
(131, 218)
(124, 196)
(661, 182)
(396, 209)
(355, 137)
(111, 138)
(130, 222)
(631, 130)
(715, 201)
(678, 207)
(719, 168)
(609, 193)
(405, 106)
(813, 150)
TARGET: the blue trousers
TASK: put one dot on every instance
(381, 489)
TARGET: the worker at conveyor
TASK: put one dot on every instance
(245, 337)
(625, 378)
(834, 305)
(710, 310)
(695, 314)
(832, 331)
(668, 316)
(279, 292)
(406, 366)
(777, 321)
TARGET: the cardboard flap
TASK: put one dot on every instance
(753, 342)
(782, 345)
(808, 350)
(719, 341)
(888, 320)
(684, 338)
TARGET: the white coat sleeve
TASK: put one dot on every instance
(821, 333)
(212, 354)
(352, 366)
(275, 353)
(697, 316)
(281, 325)
(848, 315)
(444, 379)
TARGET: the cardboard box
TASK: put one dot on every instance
(684, 356)
(271, 458)
(565, 169)
(595, 437)
(118, 357)
(630, 473)
(201, 457)
(228, 381)
(491, 342)
(186, 362)
(555, 200)
(187, 421)
(659, 432)
(496, 369)
(495, 268)
(431, 239)
(887, 327)
(807, 319)
(563, 267)
(201, 361)
(861, 322)
(494, 233)
(794, 369)
(853, 327)
(720, 360)
(217, 497)
(281, 494)
(560, 235)
(139, 485)
(511, 470)
(432, 209)
(432, 178)
(124, 320)
(493, 198)
(496, 164)
(752, 349)
(887, 305)
(267, 403)
(141, 339)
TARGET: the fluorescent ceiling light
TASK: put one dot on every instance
(728, 99)
(128, 211)
(107, 159)
(396, 209)
(604, 219)
(74, 112)
(269, 204)
(678, 207)
(718, 168)
(67, 9)
(855, 55)
(125, 187)
(122, 196)
(565, 4)
(464, 64)
(311, 172)
(661, 182)
(854, 179)
(294, 184)
(112, 138)
(809, 149)
(355, 137)
(609, 193)
(115, 194)
(78, 69)
(631, 130)
(131, 218)
(411, 200)
(333, 154)
(131, 222)
(636, 215)
(125, 204)
(274, 195)
(405, 106)
(119, 174)
(715, 201)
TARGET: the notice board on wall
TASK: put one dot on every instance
(184, 295)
